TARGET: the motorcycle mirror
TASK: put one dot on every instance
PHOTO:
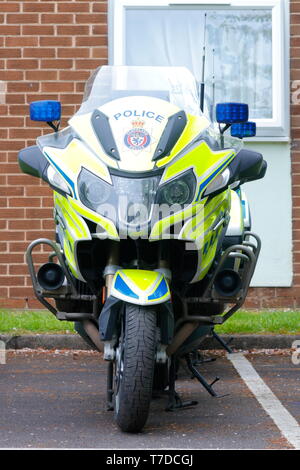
(231, 113)
(46, 111)
(242, 130)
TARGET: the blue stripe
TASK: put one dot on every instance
(207, 181)
(160, 291)
(64, 175)
(122, 287)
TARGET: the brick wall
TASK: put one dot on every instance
(47, 51)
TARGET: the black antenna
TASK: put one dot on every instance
(202, 85)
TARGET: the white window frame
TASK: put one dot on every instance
(275, 129)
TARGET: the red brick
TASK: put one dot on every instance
(15, 99)
(9, 52)
(99, 29)
(91, 41)
(73, 30)
(56, 18)
(18, 247)
(57, 64)
(63, 41)
(37, 213)
(20, 292)
(12, 281)
(22, 64)
(30, 202)
(73, 52)
(74, 75)
(41, 75)
(38, 190)
(22, 86)
(20, 269)
(10, 7)
(18, 110)
(3, 269)
(20, 180)
(99, 18)
(71, 99)
(58, 86)
(20, 18)
(99, 7)
(73, 7)
(10, 30)
(11, 75)
(24, 224)
(39, 7)
(12, 191)
(38, 30)
(89, 64)
(100, 52)
(41, 52)
(11, 258)
(4, 295)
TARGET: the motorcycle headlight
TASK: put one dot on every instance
(180, 190)
(218, 183)
(136, 197)
(93, 191)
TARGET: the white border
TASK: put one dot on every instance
(276, 128)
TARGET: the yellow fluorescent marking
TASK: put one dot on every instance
(83, 127)
(75, 222)
(72, 158)
(201, 158)
(98, 219)
(194, 126)
(162, 225)
(195, 228)
(141, 278)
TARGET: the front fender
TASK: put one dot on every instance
(140, 287)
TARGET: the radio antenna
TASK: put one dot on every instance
(213, 83)
(202, 85)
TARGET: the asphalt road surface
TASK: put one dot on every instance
(57, 400)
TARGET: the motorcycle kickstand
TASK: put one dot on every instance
(222, 342)
(174, 400)
(109, 387)
(208, 387)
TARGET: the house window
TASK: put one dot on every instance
(245, 49)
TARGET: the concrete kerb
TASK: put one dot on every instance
(61, 341)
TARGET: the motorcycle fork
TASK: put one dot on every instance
(111, 267)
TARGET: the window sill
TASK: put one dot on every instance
(268, 139)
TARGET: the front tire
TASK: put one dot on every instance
(135, 362)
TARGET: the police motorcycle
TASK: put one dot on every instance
(153, 243)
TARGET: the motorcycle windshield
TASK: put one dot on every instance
(176, 85)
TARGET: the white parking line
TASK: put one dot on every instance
(286, 423)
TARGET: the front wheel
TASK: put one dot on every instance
(134, 367)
